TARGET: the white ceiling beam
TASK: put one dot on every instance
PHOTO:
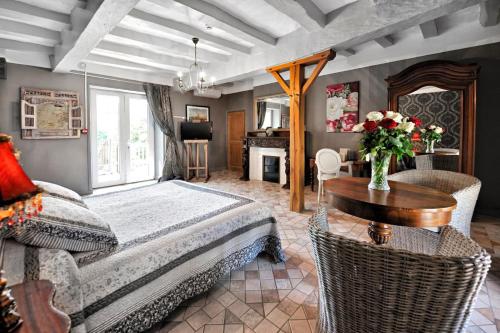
(226, 18)
(429, 29)
(346, 52)
(163, 45)
(188, 31)
(143, 56)
(104, 19)
(384, 41)
(304, 12)
(119, 63)
(489, 13)
(343, 31)
(22, 12)
(8, 44)
(28, 33)
(139, 76)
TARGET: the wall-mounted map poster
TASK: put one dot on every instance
(50, 114)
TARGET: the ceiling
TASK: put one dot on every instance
(150, 40)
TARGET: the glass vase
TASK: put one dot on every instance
(380, 168)
(429, 146)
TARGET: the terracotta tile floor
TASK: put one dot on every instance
(264, 297)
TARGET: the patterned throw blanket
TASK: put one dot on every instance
(176, 240)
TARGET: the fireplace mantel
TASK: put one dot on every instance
(266, 142)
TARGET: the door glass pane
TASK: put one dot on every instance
(139, 148)
(108, 138)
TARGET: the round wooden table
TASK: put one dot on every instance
(405, 205)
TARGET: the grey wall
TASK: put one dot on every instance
(373, 96)
(66, 161)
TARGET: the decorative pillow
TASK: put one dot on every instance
(58, 191)
(64, 225)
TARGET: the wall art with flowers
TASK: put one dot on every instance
(342, 107)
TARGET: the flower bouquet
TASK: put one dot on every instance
(386, 133)
(430, 135)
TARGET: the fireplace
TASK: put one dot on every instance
(271, 168)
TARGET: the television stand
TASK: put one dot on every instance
(195, 165)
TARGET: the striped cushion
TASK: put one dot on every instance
(64, 225)
(58, 191)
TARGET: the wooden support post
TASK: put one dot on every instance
(297, 89)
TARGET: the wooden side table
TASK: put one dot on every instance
(34, 304)
(196, 167)
(405, 204)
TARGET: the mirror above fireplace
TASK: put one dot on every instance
(272, 112)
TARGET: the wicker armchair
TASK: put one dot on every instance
(464, 188)
(437, 162)
(371, 288)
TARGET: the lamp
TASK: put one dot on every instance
(196, 77)
(19, 199)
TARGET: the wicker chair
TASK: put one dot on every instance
(371, 288)
(437, 162)
(464, 188)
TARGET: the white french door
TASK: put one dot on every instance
(122, 138)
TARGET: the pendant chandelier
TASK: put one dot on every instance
(196, 77)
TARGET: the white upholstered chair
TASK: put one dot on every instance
(328, 163)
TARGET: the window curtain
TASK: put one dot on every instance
(160, 104)
(261, 113)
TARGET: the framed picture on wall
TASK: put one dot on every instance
(197, 113)
(342, 107)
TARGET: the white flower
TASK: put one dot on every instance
(438, 130)
(358, 128)
(408, 127)
(375, 116)
(432, 127)
(423, 130)
(397, 117)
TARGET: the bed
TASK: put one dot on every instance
(175, 240)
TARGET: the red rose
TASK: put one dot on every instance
(383, 111)
(416, 121)
(370, 125)
(388, 123)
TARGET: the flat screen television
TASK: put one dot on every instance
(196, 131)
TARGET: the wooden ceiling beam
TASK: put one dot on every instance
(188, 31)
(314, 75)
(88, 32)
(23, 12)
(489, 12)
(429, 29)
(14, 45)
(304, 12)
(384, 41)
(220, 15)
(125, 64)
(281, 82)
(163, 45)
(29, 33)
(306, 61)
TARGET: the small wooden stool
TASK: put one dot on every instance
(196, 168)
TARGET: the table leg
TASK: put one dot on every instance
(380, 233)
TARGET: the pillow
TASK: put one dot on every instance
(63, 225)
(58, 191)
